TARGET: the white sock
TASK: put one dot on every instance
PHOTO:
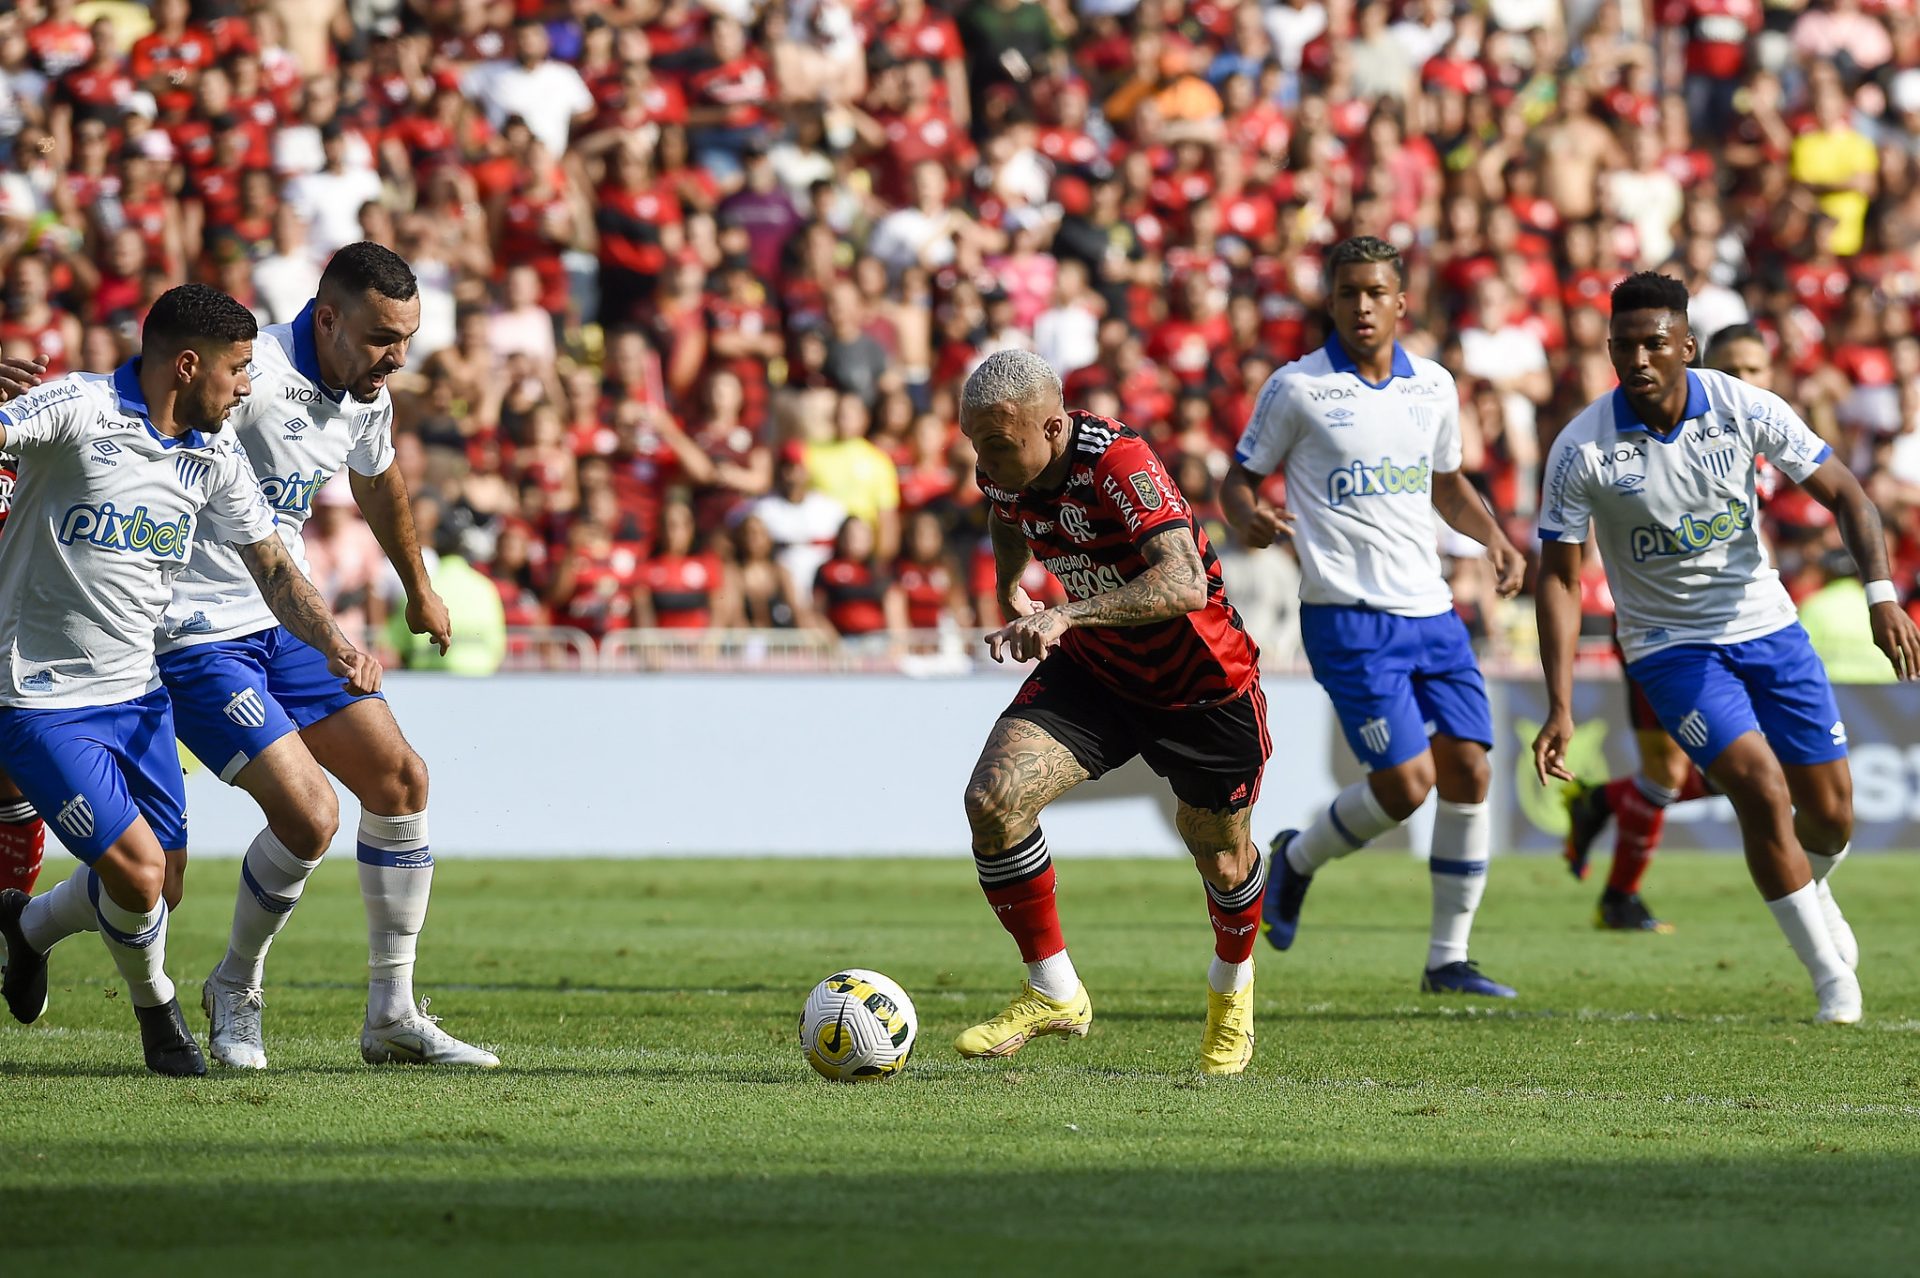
(137, 939)
(1653, 792)
(1823, 866)
(64, 911)
(1799, 915)
(1054, 977)
(271, 881)
(1351, 821)
(1228, 978)
(396, 878)
(1462, 837)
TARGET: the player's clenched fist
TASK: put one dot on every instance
(1265, 524)
(1028, 638)
(360, 670)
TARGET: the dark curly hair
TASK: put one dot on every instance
(1650, 291)
(192, 314)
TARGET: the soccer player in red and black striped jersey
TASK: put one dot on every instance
(23, 835)
(1145, 658)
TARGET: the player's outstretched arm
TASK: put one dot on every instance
(1834, 486)
(1253, 521)
(1174, 584)
(299, 608)
(383, 499)
(1557, 608)
(1461, 506)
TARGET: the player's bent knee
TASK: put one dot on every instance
(134, 879)
(410, 784)
(1403, 788)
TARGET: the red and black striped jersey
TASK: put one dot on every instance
(1089, 535)
(7, 477)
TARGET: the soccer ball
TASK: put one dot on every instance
(857, 1025)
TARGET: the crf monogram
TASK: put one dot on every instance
(1692, 534)
(1386, 479)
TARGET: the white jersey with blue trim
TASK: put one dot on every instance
(1359, 460)
(298, 434)
(106, 513)
(1674, 512)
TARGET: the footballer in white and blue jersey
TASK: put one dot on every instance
(121, 476)
(260, 707)
(1660, 475)
(1368, 437)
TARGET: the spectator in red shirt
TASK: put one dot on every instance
(727, 102)
(931, 585)
(167, 62)
(851, 592)
(683, 587)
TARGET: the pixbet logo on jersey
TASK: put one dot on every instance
(1386, 479)
(292, 492)
(1692, 534)
(135, 531)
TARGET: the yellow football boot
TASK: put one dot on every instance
(1030, 1015)
(1228, 1046)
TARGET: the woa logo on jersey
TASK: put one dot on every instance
(1384, 480)
(292, 492)
(1693, 534)
(134, 531)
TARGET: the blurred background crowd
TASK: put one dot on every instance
(701, 278)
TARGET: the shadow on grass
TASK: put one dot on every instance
(1641, 1217)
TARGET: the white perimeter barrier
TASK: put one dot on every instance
(564, 765)
(875, 764)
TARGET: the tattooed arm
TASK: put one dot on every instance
(300, 609)
(1011, 555)
(1174, 584)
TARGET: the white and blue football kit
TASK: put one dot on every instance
(241, 681)
(106, 513)
(1707, 629)
(1376, 615)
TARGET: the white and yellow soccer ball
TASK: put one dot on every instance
(858, 1025)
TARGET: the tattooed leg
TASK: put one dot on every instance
(1021, 770)
(1222, 850)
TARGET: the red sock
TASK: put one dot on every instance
(1019, 887)
(1236, 915)
(1637, 825)
(23, 839)
(1694, 787)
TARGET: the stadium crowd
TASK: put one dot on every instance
(701, 277)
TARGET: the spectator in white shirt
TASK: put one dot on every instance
(286, 280)
(330, 199)
(550, 96)
(1498, 350)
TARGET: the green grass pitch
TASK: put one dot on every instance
(1651, 1105)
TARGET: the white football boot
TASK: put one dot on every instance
(417, 1039)
(1839, 1000)
(233, 1023)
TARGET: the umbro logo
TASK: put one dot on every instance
(1631, 484)
(1339, 415)
(295, 424)
(1839, 732)
(106, 450)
